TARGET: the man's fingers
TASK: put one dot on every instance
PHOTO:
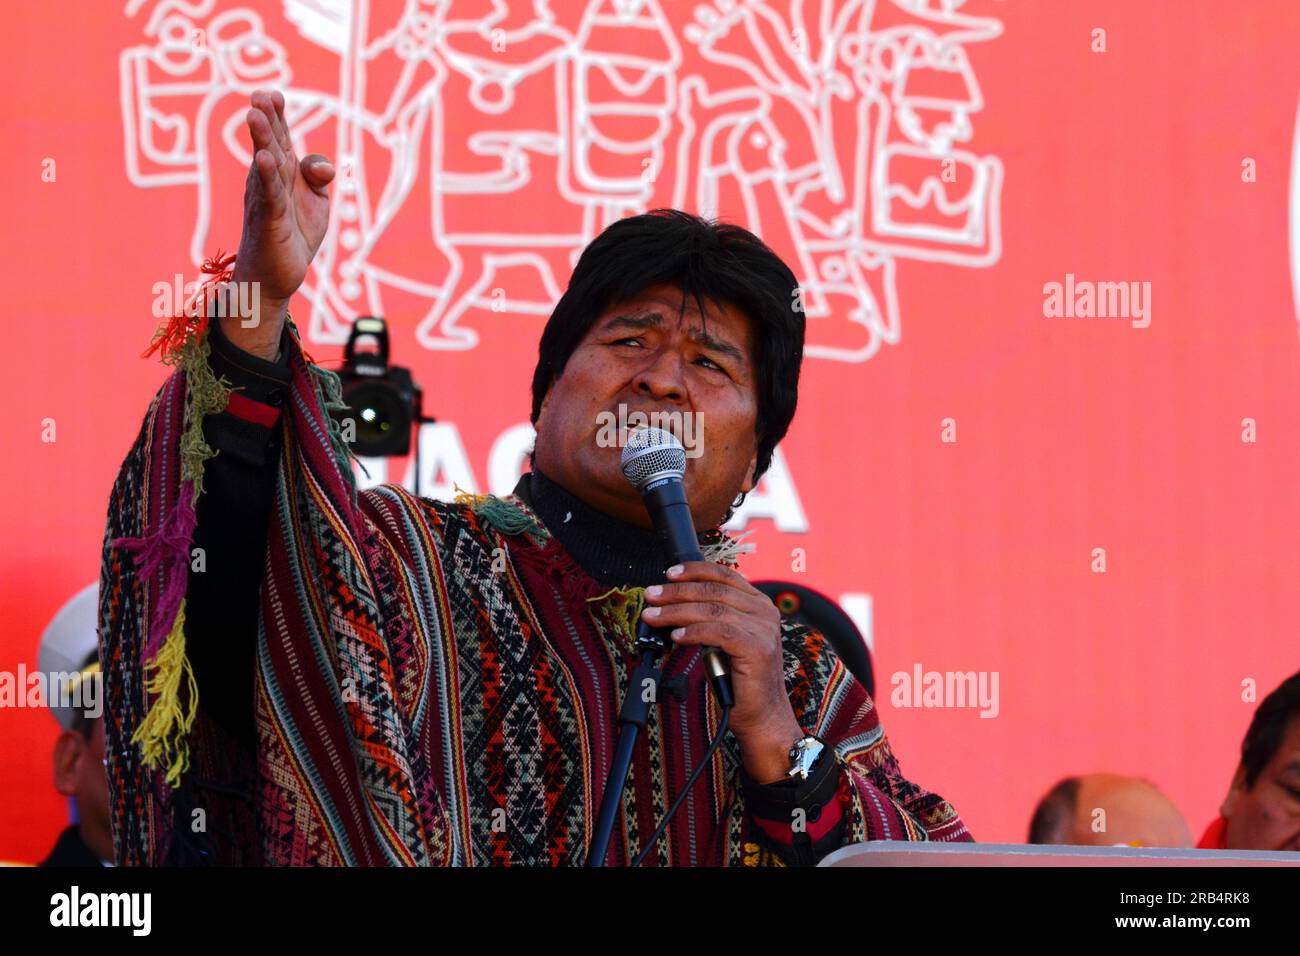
(268, 175)
(261, 101)
(671, 615)
(277, 100)
(711, 571)
(317, 172)
(264, 137)
(704, 591)
(674, 615)
(259, 129)
(726, 638)
(281, 124)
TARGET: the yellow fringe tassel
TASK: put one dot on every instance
(464, 497)
(629, 613)
(162, 734)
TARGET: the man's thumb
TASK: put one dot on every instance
(317, 170)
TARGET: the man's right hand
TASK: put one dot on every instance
(286, 213)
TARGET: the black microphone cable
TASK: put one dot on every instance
(690, 782)
(654, 462)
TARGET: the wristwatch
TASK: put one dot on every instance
(803, 755)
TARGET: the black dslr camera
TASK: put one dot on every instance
(383, 401)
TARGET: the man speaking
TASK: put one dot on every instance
(298, 673)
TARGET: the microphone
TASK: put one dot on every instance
(654, 461)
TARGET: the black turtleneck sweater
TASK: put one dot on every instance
(613, 552)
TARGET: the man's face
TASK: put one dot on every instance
(639, 354)
(1267, 816)
(92, 787)
(79, 772)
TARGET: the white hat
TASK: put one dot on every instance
(68, 640)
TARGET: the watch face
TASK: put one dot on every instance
(803, 755)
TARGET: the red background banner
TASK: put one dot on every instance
(926, 169)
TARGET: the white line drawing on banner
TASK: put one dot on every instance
(1295, 215)
(832, 129)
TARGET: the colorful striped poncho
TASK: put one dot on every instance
(436, 682)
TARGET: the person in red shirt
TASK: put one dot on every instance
(1262, 808)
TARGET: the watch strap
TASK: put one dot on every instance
(777, 800)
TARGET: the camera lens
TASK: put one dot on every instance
(382, 419)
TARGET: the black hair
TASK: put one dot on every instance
(1268, 727)
(706, 259)
(1055, 811)
(81, 722)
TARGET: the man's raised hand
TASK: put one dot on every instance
(286, 213)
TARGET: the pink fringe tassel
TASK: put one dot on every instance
(169, 547)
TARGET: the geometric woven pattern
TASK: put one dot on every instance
(432, 689)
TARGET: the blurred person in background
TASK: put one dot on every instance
(1262, 808)
(68, 646)
(1107, 809)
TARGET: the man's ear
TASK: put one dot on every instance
(68, 750)
(546, 397)
(1236, 792)
(748, 485)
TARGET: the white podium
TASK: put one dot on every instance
(897, 853)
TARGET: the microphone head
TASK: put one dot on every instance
(652, 454)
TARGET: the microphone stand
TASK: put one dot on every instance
(665, 501)
(419, 419)
(651, 642)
